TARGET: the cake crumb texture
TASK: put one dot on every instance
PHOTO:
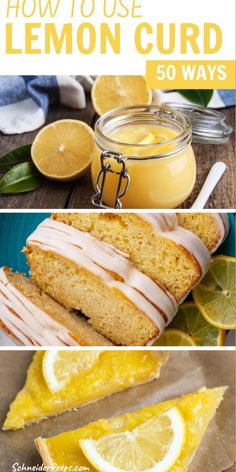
(78, 327)
(109, 312)
(158, 257)
(203, 225)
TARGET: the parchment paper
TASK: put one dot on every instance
(184, 373)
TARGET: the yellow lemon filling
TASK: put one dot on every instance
(143, 135)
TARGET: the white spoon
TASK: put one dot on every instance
(210, 183)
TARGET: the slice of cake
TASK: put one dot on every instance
(154, 242)
(211, 228)
(112, 371)
(168, 433)
(33, 318)
(86, 274)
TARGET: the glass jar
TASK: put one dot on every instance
(143, 159)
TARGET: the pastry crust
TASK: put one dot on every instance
(43, 450)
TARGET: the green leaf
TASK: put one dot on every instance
(21, 178)
(200, 97)
(14, 157)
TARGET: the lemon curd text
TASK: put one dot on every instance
(87, 38)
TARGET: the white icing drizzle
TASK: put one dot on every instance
(102, 260)
(166, 226)
(29, 323)
(160, 222)
(222, 221)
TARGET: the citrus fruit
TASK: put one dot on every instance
(63, 150)
(174, 337)
(59, 367)
(110, 92)
(149, 139)
(215, 296)
(153, 446)
(190, 320)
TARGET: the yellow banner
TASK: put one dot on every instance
(190, 74)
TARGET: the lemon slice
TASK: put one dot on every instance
(60, 366)
(111, 92)
(190, 320)
(149, 139)
(64, 149)
(154, 446)
(174, 337)
(215, 296)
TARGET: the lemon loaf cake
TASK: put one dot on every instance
(211, 228)
(161, 437)
(31, 317)
(155, 243)
(91, 379)
(86, 274)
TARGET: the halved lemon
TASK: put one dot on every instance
(59, 367)
(190, 320)
(111, 92)
(63, 150)
(215, 296)
(154, 446)
(174, 337)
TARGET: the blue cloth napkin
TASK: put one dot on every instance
(25, 100)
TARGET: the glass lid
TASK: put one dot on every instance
(208, 126)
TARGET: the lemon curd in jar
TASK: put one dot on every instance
(155, 143)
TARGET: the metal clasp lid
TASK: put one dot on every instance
(97, 199)
(208, 126)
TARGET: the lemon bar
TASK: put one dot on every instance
(112, 372)
(191, 415)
